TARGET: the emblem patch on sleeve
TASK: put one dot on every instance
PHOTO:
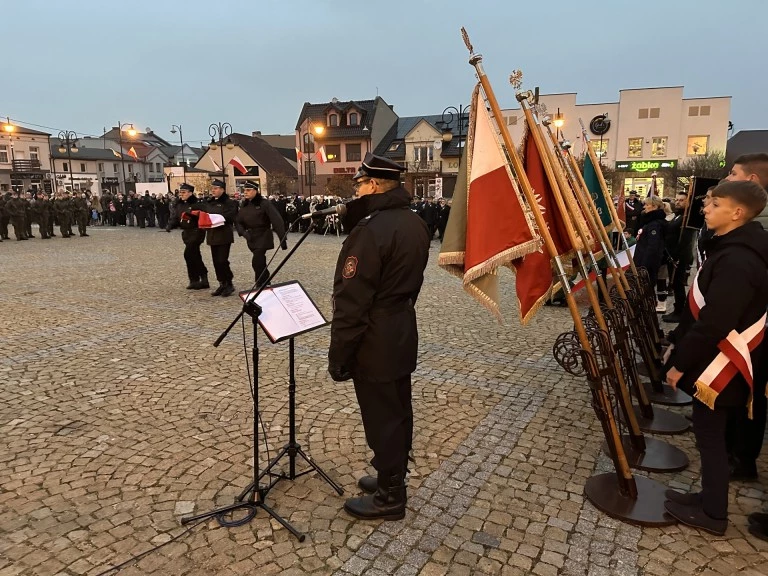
(350, 267)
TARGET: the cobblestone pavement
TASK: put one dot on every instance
(117, 417)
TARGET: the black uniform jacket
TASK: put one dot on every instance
(650, 243)
(190, 233)
(255, 221)
(227, 207)
(734, 283)
(378, 278)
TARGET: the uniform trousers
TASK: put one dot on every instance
(709, 429)
(387, 420)
(259, 264)
(44, 226)
(82, 222)
(744, 437)
(220, 257)
(195, 267)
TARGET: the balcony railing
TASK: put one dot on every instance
(425, 166)
(26, 166)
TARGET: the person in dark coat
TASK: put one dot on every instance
(374, 337)
(649, 253)
(191, 235)
(718, 341)
(679, 243)
(444, 211)
(81, 213)
(16, 209)
(28, 214)
(163, 210)
(220, 239)
(634, 208)
(5, 217)
(255, 221)
(44, 214)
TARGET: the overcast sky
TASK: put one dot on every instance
(85, 64)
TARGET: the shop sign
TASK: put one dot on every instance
(646, 165)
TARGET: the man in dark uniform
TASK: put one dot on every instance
(192, 237)
(679, 243)
(5, 217)
(634, 208)
(374, 338)
(220, 239)
(255, 221)
(16, 210)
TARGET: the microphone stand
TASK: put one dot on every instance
(252, 504)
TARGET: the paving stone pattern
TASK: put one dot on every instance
(117, 417)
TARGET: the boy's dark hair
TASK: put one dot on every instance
(749, 194)
(755, 164)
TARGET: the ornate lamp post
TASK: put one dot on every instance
(8, 128)
(183, 161)
(308, 141)
(218, 131)
(462, 119)
(67, 146)
(131, 132)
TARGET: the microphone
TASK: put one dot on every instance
(339, 209)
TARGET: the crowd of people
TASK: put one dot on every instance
(18, 211)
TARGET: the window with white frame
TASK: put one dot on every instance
(34, 153)
(333, 120)
(3, 154)
(697, 145)
(353, 119)
(659, 147)
(82, 167)
(635, 148)
(423, 154)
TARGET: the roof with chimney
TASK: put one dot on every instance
(393, 144)
(318, 113)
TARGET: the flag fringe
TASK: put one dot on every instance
(535, 308)
(451, 259)
(500, 259)
(705, 394)
(483, 298)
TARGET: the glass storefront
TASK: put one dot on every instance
(641, 185)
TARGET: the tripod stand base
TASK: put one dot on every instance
(252, 507)
(663, 422)
(659, 456)
(668, 396)
(645, 510)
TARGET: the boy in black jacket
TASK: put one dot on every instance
(717, 341)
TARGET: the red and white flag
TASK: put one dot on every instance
(298, 154)
(132, 153)
(488, 226)
(215, 165)
(237, 163)
(321, 157)
(204, 220)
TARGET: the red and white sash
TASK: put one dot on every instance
(734, 356)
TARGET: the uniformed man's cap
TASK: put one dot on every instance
(219, 183)
(250, 185)
(187, 187)
(379, 167)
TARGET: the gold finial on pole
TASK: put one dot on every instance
(516, 79)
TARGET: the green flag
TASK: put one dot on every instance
(593, 185)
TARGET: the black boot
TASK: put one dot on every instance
(695, 517)
(218, 290)
(688, 499)
(388, 503)
(203, 284)
(229, 289)
(369, 484)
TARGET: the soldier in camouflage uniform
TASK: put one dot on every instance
(81, 213)
(28, 214)
(5, 218)
(63, 209)
(16, 209)
(43, 210)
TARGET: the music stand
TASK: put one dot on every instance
(252, 308)
(282, 305)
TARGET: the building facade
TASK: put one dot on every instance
(89, 169)
(333, 137)
(25, 162)
(648, 130)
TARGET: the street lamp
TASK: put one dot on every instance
(459, 113)
(68, 145)
(183, 162)
(558, 121)
(131, 132)
(218, 131)
(9, 128)
(309, 139)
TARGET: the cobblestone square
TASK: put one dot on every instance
(118, 416)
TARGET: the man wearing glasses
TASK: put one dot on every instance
(374, 338)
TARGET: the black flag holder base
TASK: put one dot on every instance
(658, 456)
(646, 509)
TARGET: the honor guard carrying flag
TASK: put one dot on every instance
(255, 221)
(191, 235)
(374, 338)
(220, 238)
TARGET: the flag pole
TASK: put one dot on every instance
(570, 210)
(626, 481)
(607, 196)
